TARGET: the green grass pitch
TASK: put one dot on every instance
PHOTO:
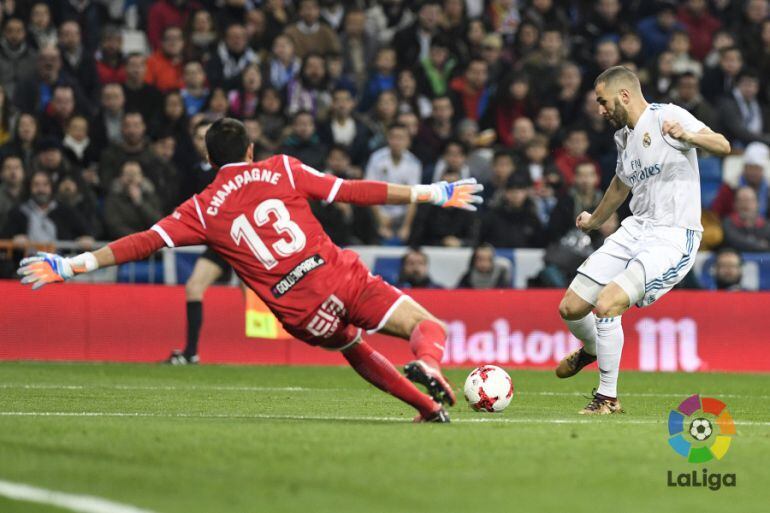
(312, 439)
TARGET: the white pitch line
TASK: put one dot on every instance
(236, 388)
(72, 502)
(270, 416)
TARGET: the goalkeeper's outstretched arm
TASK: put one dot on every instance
(462, 194)
(45, 268)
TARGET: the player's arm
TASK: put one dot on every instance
(705, 138)
(461, 194)
(615, 195)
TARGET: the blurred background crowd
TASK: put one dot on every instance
(104, 103)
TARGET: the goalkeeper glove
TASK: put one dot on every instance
(460, 194)
(45, 268)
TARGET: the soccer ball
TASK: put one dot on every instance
(489, 388)
(700, 429)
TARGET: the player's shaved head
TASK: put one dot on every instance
(227, 142)
(619, 77)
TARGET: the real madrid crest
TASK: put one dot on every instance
(646, 140)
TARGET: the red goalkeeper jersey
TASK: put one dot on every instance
(257, 217)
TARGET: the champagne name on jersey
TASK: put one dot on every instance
(253, 175)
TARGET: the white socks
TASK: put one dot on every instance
(585, 330)
(609, 346)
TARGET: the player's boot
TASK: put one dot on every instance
(602, 405)
(178, 358)
(574, 363)
(438, 386)
(439, 415)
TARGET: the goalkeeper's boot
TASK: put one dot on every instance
(178, 358)
(438, 386)
(574, 363)
(440, 416)
(602, 405)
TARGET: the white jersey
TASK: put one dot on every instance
(661, 171)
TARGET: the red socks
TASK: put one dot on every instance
(378, 371)
(427, 342)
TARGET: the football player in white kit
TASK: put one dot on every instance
(655, 247)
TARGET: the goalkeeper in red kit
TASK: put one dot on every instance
(257, 217)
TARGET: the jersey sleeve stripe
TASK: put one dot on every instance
(163, 235)
(312, 170)
(200, 214)
(334, 191)
(287, 166)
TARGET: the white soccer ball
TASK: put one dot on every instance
(489, 388)
(701, 429)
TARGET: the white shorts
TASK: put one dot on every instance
(666, 253)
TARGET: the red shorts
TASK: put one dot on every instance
(361, 301)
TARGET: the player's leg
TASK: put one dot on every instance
(205, 273)
(427, 339)
(581, 321)
(377, 370)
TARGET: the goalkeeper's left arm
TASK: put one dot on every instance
(45, 268)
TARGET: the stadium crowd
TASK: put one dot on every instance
(104, 104)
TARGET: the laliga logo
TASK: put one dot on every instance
(701, 429)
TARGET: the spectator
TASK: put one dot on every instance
(413, 42)
(484, 272)
(59, 111)
(523, 133)
(309, 34)
(345, 129)
(656, 30)
(201, 39)
(749, 27)
(542, 66)
(574, 152)
(414, 271)
(215, 108)
(630, 46)
(35, 94)
(409, 97)
(581, 196)
(271, 117)
(513, 100)
(173, 117)
(679, 45)
(163, 147)
(721, 80)
(81, 199)
(106, 127)
(479, 149)
(492, 53)
(303, 141)
(569, 99)
(49, 157)
(537, 161)
(309, 91)
(11, 186)
(687, 95)
(134, 146)
(384, 19)
(755, 159)
(139, 95)
(512, 222)
(195, 94)
(132, 205)
(471, 90)
(41, 219)
(694, 15)
(436, 226)
(6, 117)
(17, 59)
(503, 166)
(244, 101)
(78, 148)
(745, 230)
(357, 48)
(283, 65)
(436, 130)
(165, 65)
(743, 118)
(381, 117)
(77, 62)
(436, 69)
(728, 270)
(607, 54)
(381, 78)
(548, 123)
(453, 160)
(232, 56)
(197, 173)
(110, 65)
(395, 164)
(24, 140)
(346, 224)
(165, 14)
(42, 31)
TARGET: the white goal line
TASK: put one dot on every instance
(489, 418)
(69, 501)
